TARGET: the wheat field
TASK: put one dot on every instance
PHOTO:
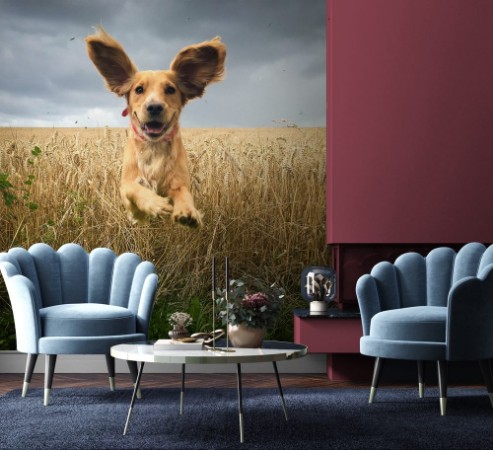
(262, 193)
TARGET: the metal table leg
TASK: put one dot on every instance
(182, 393)
(279, 387)
(240, 401)
(134, 396)
(133, 367)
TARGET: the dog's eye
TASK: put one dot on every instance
(139, 90)
(169, 90)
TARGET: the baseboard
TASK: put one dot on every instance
(14, 362)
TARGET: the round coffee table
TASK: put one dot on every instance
(271, 351)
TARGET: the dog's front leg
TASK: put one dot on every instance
(141, 202)
(138, 197)
(184, 210)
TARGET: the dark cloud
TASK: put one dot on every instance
(275, 64)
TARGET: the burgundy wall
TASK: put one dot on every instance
(410, 121)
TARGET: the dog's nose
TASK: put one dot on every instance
(154, 109)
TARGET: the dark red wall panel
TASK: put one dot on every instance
(410, 135)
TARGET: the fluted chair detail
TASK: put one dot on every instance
(73, 302)
(438, 307)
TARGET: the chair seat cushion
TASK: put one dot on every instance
(417, 323)
(86, 319)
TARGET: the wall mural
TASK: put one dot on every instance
(248, 181)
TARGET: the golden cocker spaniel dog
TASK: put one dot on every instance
(155, 175)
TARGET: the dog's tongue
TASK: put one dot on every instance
(154, 127)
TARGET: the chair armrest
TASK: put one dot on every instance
(26, 313)
(469, 334)
(146, 303)
(368, 300)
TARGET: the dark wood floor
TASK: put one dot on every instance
(9, 381)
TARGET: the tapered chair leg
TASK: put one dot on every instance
(377, 370)
(442, 385)
(134, 371)
(485, 366)
(110, 364)
(30, 363)
(50, 361)
(421, 379)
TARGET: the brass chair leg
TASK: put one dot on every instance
(442, 385)
(110, 364)
(421, 379)
(30, 363)
(50, 361)
(377, 371)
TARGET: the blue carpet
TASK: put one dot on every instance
(332, 418)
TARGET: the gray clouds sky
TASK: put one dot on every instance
(275, 67)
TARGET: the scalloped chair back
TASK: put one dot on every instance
(73, 302)
(436, 307)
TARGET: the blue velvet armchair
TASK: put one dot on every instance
(438, 308)
(72, 302)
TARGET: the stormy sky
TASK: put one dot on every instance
(275, 67)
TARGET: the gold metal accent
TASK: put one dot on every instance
(443, 405)
(47, 397)
(112, 383)
(25, 387)
(209, 338)
(490, 395)
(220, 349)
(421, 390)
(373, 391)
(182, 396)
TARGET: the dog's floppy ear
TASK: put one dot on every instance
(198, 65)
(111, 61)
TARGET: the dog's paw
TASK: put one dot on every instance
(189, 217)
(159, 206)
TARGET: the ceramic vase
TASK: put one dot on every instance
(243, 336)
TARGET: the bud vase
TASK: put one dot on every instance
(178, 332)
(243, 336)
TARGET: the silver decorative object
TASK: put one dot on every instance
(318, 286)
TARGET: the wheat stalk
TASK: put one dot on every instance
(262, 192)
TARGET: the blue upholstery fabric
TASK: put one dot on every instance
(85, 345)
(87, 319)
(429, 308)
(407, 333)
(416, 323)
(404, 349)
(69, 301)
